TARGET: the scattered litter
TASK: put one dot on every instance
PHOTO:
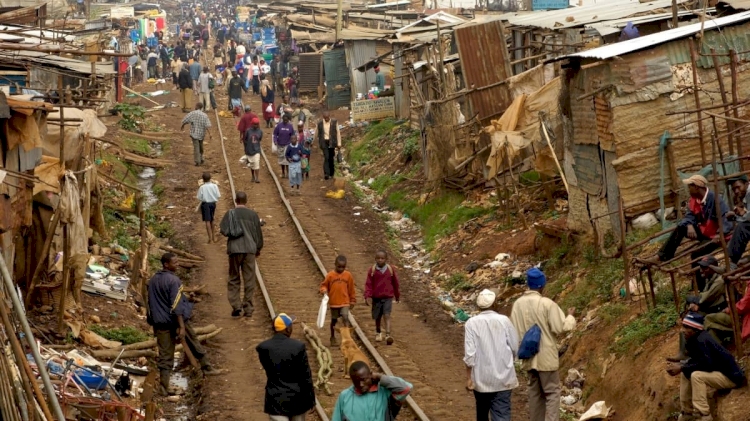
(339, 194)
(599, 410)
(356, 214)
(501, 257)
(645, 221)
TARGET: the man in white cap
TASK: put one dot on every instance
(701, 223)
(490, 343)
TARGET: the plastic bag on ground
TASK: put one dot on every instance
(322, 312)
(599, 410)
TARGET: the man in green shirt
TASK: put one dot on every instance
(372, 397)
(379, 79)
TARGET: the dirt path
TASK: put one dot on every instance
(238, 394)
(428, 349)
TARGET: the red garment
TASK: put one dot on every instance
(340, 289)
(268, 115)
(244, 122)
(743, 309)
(708, 228)
(382, 285)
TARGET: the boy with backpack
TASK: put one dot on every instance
(382, 287)
(533, 313)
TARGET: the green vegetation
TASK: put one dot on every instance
(139, 146)
(556, 286)
(597, 283)
(439, 216)
(381, 183)
(411, 145)
(646, 326)
(126, 334)
(132, 116)
(458, 281)
(379, 129)
(612, 311)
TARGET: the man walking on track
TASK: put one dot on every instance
(490, 343)
(241, 226)
(186, 87)
(199, 125)
(532, 309)
(329, 139)
(168, 313)
(289, 388)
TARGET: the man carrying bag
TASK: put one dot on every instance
(533, 314)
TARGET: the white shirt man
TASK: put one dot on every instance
(490, 344)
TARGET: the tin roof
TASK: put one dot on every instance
(616, 25)
(37, 58)
(648, 41)
(578, 16)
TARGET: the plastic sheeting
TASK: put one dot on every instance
(82, 122)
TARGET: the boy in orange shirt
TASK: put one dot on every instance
(339, 285)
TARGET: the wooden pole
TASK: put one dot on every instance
(624, 249)
(43, 260)
(728, 287)
(675, 21)
(735, 100)
(439, 66)
(339, 13)
(674, 292)
(696, 95)
(28, 376)
(651, 286)
(724, 100)
(515, 188)
(65, 280)
(676, 184)
(554, 155)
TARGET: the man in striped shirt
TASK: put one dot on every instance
(490, 343)
(199, 125)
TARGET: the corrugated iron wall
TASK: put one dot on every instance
(358, 53)
(310, 71)
(338, 88)
(484, 56)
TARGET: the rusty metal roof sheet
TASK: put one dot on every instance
(579, 16)
(649, 41)
(484, 53)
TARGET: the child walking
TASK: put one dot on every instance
(305, 141)
(339, 285)
(208, 195)
(382, 288)
(294, 158)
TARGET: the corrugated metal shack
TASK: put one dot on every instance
(619, 100)
(537, 36)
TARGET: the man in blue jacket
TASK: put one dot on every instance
(709, 365)
(169, 312)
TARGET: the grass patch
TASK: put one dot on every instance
(383, 182)
(612, 311)
(644, 327)
(411, 145)
(139, 146)
(596, 284)
(126, 334)
(458, 281)
(555, 287)
(379, 129)
(438, 217)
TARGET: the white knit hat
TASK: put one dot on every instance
(485, 299)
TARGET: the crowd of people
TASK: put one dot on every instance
(493, 342)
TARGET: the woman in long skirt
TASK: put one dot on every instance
(267, 98)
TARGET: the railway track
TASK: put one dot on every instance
(283, 239)
(290, 258)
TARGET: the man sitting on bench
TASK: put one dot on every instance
(700, 223)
